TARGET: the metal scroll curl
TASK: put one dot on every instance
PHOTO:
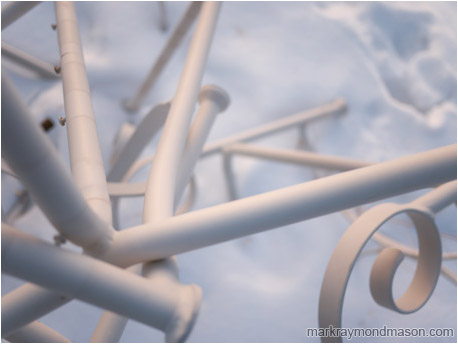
(381, 280)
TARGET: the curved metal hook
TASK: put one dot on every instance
(349, 248)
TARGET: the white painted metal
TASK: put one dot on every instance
(14, 10)
(161, 185)
(278, 208)
(144, 133)
(36, 65)
(336, 107)
(172, 44)
(85, 156)
(421, 212)
(296, 157)
(88, 279)
(212, 101)
(41, 170)
(159, 197)
(26, 304)
(111, 325)
(37, 332)
(159, 299)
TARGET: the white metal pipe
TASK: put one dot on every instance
(30, 62)
(231, 188)
(278, 208)
(111, 325)
(144, 133)
(14, 10)
(439, 198)
(175, 39)
(85, 156)
(212, 101)
(161, 184)
(296, 157)
(388, 242)
(35, 161)
(26, 304)
(338, 106)
(99, 283)
(159, 197)
(429, 257)
(36, 332)
(335, 107)
(109, 328)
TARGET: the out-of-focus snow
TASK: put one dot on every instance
(394, 63)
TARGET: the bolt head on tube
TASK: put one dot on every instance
(216, 95)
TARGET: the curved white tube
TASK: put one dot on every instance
(388, 242)
(41, 170)
(83, 143)
(159, 198)
(161, 304)
(161, 185)
(212, 101)
(278, 208)
(421, 212)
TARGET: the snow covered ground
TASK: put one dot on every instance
(393, 62)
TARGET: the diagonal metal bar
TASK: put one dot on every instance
(83, 143)
(282, 207)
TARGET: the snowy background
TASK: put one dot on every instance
(394, 63)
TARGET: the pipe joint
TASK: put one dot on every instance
(216, 95)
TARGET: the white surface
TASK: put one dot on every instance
(394, 63)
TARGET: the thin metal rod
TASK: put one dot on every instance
(278, 208)
(93, 281)
(160, 190)
(439, 198)
(111, 325)
(36, 332)
(297, 157)
(83, 143)
(146, 130)
(26, 304)
(335, 107)
(165, 55)
(212, 101)
(270, 210)
(35, 161)
(109, 328)
(159, 197)
(231, 188)
(30, 62)
(14, 10)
